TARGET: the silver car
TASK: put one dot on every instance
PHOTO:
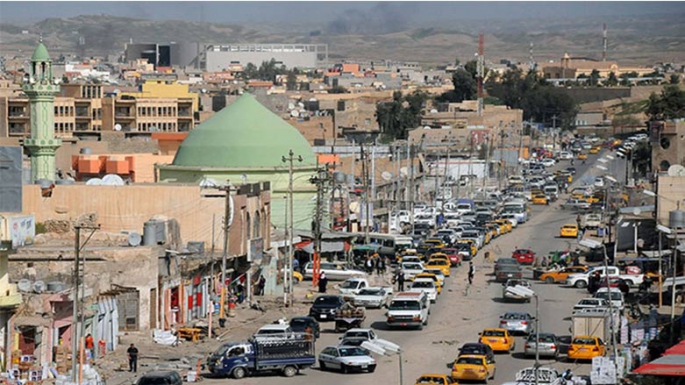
(346, 359)
(547, 345)
(516, 322)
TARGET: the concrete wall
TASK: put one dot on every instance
(129, 207)
(672, 190)
(218, 61)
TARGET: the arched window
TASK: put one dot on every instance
(248, 231)
(257, 225)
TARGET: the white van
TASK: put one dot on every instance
(408, 310)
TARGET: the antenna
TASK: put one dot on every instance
(604, 43)
(531, 60)
(480, 72)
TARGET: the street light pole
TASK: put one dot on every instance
(537, 337)
(289, 233)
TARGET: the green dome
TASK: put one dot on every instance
(244, 134)
(41, 53)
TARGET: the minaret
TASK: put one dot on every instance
(41, 89)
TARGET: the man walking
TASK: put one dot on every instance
(472, 272)
(132, 358)
(400, 281)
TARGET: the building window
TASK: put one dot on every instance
(664, 165)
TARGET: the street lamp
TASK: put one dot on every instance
(386, 348)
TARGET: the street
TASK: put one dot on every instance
(456, 319)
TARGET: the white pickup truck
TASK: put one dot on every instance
(581, 280)
(591, 221)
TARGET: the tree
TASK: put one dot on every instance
(642, 158)
(625, 80)
(291, 81)
(594, 78)
(395, 118)
(674, 79)
(670, 104)
(611, 81)
(250, 71)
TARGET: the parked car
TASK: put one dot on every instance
(160, 378)
(516, 322)
(274, 332)
(558, 276)
(524, 256)
(547, 345)
(615, 296)
(346, 359)
(324, 307)
(300, 325)
(334, 271)
(575, 204)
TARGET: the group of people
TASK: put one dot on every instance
(375, 263)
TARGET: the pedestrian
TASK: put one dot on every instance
(240, 292)
(260, 285)
(381, 266)
(400, 281)
(90, 346)
(323, 281)
(472, 272)
(132, 353)
(296, 265)
(369, 266)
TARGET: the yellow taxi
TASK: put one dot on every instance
(591, 199)
(558, 276)
(578, 195)
(582, 156)
(472, 243)
(297, 277)
(438, 281)
(504, 226)
(540, 200)
(569, 230)
(473, 367)
(494, 229)
(439, 264)
(586, 348)
(435, 243)
(568, 175)
(595, 150)
(435, 379)
(498, 339)
(442, 256)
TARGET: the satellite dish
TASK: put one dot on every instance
(208, 182)
(676, 170)
(24, 285)
(134, 239)
(112, 180)
(354, 207)
(117, 127)
(291, 106)
(387, 176)
(636, 211)
(294, 113)
(39, 287)
(427, 127)
(94, 182)
(434, 111)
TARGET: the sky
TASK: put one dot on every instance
(301, 11)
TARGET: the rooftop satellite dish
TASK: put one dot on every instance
(208, 182)
(387, 176)
(112, 180)
(39, 287)
(354, 207)
(294, 113)
(117, 127)
(94, 182)
(636, 211)
(434, 111)
(134, 239)
(291, 106)
(426, 127)
(24, 285)
(676, 170)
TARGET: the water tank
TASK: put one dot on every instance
(24, 285)
(676, 219)
(161, 232)
(150, 233)
(86, 151)
(55, 286)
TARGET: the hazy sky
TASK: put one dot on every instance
(239, 12)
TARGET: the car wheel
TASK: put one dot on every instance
(549, 280)
(344, 369)
(322, 365)
(494, 373)
(372, 369)
(289, 371)
(580, 284)
(239, 373)
(296, 280)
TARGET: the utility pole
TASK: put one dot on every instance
(486, 171)
(321, 179)
(444, 180)
(78, 314)
(288, 279)
(411, 186)
(228, 221)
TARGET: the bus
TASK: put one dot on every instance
(390, 244)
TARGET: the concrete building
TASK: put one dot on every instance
(245, 141)
(218, 57)
(10, 299)
(668, 144)
(570, 68)
(164, 54)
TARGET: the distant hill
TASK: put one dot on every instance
(632, 40)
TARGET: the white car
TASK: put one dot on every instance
(426, 285)
(334, 271)
(589, 303)
(548, 162)
(346, 359)
(353, 286)
(599, 182)
(616, 296)
(410, 269)
(274, 332)
(376, 297)
(438, 274)
(565, 155)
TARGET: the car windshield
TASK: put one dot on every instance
(353, 352)
(411, 266)
(472, 349)
(493, 333)
(371, 292)
(436, 272)
(350, 285)
(326, 300)
(154, 381)
(404, 305)
(423, 284)
(506, 261)
(543, 338)
(470, 360)
(356, 334)
(515, 316)
(298, 324)
(583, 341)
(614, 296)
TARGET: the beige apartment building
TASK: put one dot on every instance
(145, 115)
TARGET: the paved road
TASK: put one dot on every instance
(457, 319)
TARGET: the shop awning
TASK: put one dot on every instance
(31, 321)
(326, 247)
(672, 365)
(676, 349)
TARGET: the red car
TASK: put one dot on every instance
(453, 255)
(524, 256)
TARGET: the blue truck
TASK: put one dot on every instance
(240, 359)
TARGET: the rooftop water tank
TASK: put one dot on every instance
(676, 219)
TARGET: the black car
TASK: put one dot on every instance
(300, 325)
(324, 307)
(160, 378)
(477, 349)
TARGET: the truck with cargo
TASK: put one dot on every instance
(594, 322)
(240, 359)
